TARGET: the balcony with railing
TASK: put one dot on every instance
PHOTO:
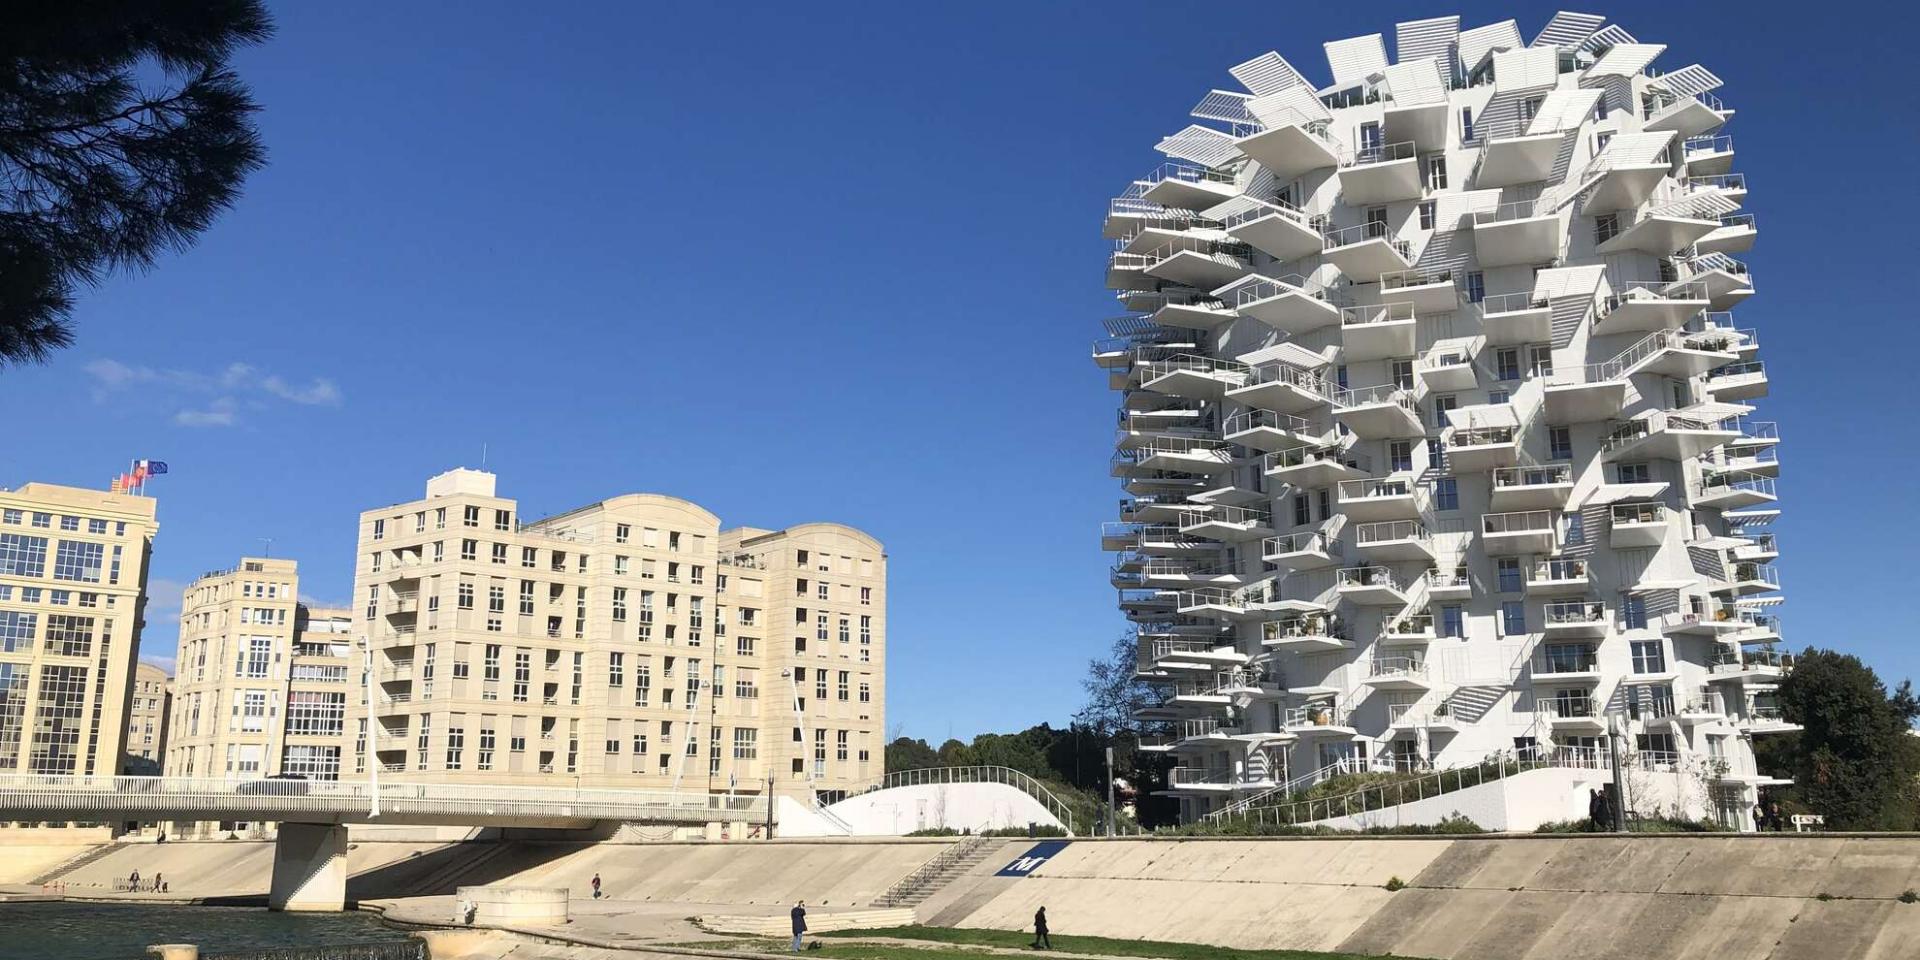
(1180, 454)
(1291, 304)
(1514, 318)
(1636, 305)
(1761, 548)
(1575, 618)
(1521, 232)
(1193, 376)
(1381, 498)
(1267, 431)
(1482, 449)
(1566, 663)
(1166, 540)
(1146, 602)
(1747, 579)
(1290, 142)
(1202, 779)
(1732, 489)
(1397, 673)
(1448, 367)
(1707, 156)
(1731, 185)
(1728, 281)
(1283, 388)
(1380, 173)
(1172, 573)
(1663, 435)
(1308, 632)
(1557, 578)
(1184, 309)
(1315, 466)
(1187, 186)
(1374, 585)
(1661, 228)
(1637, 524)
(1365, 252)
(1128, 271)
(1679, 354)
(1227, 523)
(1521, 532)
(1543, 487)
(1738, 382)
(1200, 262)
(1575, 714)
(1310, 550)
(1430, 289)
(1703, 618)
(1412, 716)
(1759, 665)
(1407, 630)
(1454, 584)
(1192, 655)
(1583, 393)
(1318, 719)
(1393, 540)
(1381, 412)
(1377, 331)
(1275, 228)
(1735, 234)
(1685, 115)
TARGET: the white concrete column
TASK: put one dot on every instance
(309, 868)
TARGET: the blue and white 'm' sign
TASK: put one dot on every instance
(1030, 861)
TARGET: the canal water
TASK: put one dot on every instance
(122, 931)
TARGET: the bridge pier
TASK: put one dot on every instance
(309, 868)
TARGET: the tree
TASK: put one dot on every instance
(1114, 691)
(905, 754)
(122, 135)
(1855, 760)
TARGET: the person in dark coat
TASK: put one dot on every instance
(1596, 811)
(596, 886)
(1040, 941)
(799, 924)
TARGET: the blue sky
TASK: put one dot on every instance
(842, 262)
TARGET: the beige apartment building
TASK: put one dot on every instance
(147, 715)
(261, 680)
(630, 643)
(73, 575)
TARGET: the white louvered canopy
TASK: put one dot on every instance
(1427, 39)
(1608, 493)
(1625, 60)
(1477, 43)
(1202, 145)
(1285, 108)
(1356, 58)
(1611, 35)
(1564, 110)
(1483, 415)
(1637, 148)
(1268, 73)
(1689, 80)
(1416, 83)
(1528, 68)
(1450, 208)
(1225, 106)
(1288, 353)
(1568, 282)
(1568, 29)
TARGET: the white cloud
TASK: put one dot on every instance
(164, 663)
(238, 386)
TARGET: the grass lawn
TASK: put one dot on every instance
(1063, 943)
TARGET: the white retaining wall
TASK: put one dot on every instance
(897, 811)
(1524, 801)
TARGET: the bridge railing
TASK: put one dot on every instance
(83, 795)
(983, 774)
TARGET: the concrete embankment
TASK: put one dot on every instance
(1481, 898)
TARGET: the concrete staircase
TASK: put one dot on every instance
(68, 866)
(936, 873)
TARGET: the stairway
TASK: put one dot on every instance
(68, 866)
(937, 873)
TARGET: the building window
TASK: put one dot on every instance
(1649, 657)
(23, 556)
(1452, 621)
(746, 743)
(1513, 618)
(1426, 214)
(1476, 286)
(1466, 126)
(1559, 443)
(470, 517)
(1436, 172)
(1509, 574)
(1634, 611)
(1446, 494)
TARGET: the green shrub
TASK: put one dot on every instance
(1395, 883)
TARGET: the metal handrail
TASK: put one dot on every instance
(1546, 474)
(1639, 513)
(1367, 576)
(1378, 393)
(1254, 419)
(1574, 611)
(1514, 210)
(1301, 456)
(1520, 521)
(1381, 531)
(975, 774)
(1416, 278)
(1378, 153)
(1300, 543)
(1265, 288)
(1395, 312)
(952, 854)
(1717, 144)
(1512, 303)
(1550, 570)
(1361, 233)
(1368, 487)
(1187, 173)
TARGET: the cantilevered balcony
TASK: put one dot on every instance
(1735, 234)
(1200, 262)
(1452, 584)
(1637, 525)
(1433, 290)
(1307, 550)
(1216, 780)
(1380, 173)
(1314, 466)
(1381, 498)
(1162, 508)
(1707, 156)
(1510, 318)
(1728, 281)
(1397, 673)
(1276, 229)
(1319, 721)
(1522, 232)
(1407, 630)
(1306, 632)
(1657, 232)
(1187, 310)
(1193, 376)
(1382, 412)
(1613, 184)
(1128, 214)
(1481, 449)
(1128, 271)
(1663, 435)
(1144, 602)
(1567, 663)
(1650, 305)
(1189, 187)
(1586, 393)
(1393, 540)
(1283, 388)
(1291, 144)
(1168, 573)
(1367, 251)
(1688, 116)
(1511, 155)
(1747, 579)
(1543, 487)
(1376, 331)
(1762, 548)
(1410, 716)
(1575, 618)
(1292, 304)
(1192, 654)
(1733, 186)
(1678, 354)
(1267, 431)
(1182, 454)
(1448, 367)
(1557, 578)
(1738, 382)
(1225, 523)
(1573, 714)
(1525, 532)
(1372, 585)
(1731, 490)
(1763, 666)
(1166, 540)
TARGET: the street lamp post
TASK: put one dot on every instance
(1619, 789)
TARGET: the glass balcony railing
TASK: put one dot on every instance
(1545, 475)
(1632, 513)
(1305, 542)
(1564, 660)
(1528, 521)
(1574, 612)
(1560, 570)
(1367, 577)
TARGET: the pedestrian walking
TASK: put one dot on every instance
(1596, 811)
(133, 882)
(799, 924)
(1040, 941)
(159, 883)
(1774, 818)
(596, 886)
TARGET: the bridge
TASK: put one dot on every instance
(309, 868)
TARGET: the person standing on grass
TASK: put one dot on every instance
(799, 924)
(1040, 941)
